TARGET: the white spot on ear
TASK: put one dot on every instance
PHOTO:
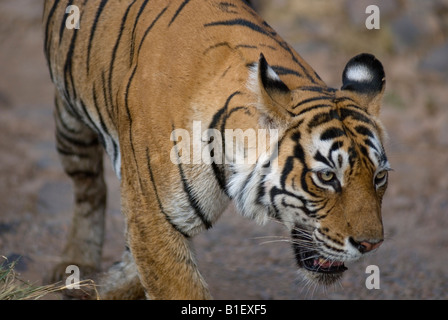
(272, 74)
(359, 73)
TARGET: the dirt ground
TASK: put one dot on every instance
(235, 256)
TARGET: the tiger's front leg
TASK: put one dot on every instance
(164, 260)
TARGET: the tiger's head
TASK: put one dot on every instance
(332, 170)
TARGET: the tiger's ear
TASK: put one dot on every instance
(364, 77)
(272, 93)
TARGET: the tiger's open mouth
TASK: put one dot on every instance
(312, 261)
(309, 258)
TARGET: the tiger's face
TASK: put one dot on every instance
(332, 168)
(329, 189)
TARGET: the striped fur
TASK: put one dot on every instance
(136, 71)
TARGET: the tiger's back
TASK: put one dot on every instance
(137, 72)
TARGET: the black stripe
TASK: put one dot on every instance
(369, 143)
(261, 191)
(272, 194)
(83, 174)
(116, 153)
(102, 123)
(332, 133)
(319, 157)
(111, 120)
(50, 16)
(47, 25)
(352, 156)
(227, 116)
(150, 27)
(365, 152)
(287, 168)
(126, 95)
(225, 72)
(313, 99)
(251, 65)
(68, 68)
(343, 99)
(245, 46)
(241, 194)
(47, 41)
(356, 107)
(140, 11)
(89, 121)
(105, 96)
(64, 19)
(271, 34)
(76, 142)
(227, 7)
(331, 247)
(188, 189)
(183, 4)
(268, 46)
(93, 30)
(114, 54)
(320, 89)
(70, 109)
(334, 147)
(299, 154)
(285, 71)
(345, 113)
(284, 193)
(265, 24)
(319, 119)
(67, 153)
(239, 22)
(219, 116)
(295, 136)
(100, 117)
(339, 160)
(364, 131)
(220, 44)
(159, 202)
(313, 108)
(61, 119)
(128, 113)
(327, 210)
(289, 205)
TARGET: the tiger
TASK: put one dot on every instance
(132, 73)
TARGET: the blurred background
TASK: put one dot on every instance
(236, 256)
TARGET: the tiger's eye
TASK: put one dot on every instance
(381, 178)
(326, 176)
(381, 174)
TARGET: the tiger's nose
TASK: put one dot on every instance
(366, 246)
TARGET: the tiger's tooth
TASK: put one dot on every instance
(322, 261)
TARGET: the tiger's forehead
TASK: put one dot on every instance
(336, 133)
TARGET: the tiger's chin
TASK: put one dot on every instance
(324, 279)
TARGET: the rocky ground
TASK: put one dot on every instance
(237, 257)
